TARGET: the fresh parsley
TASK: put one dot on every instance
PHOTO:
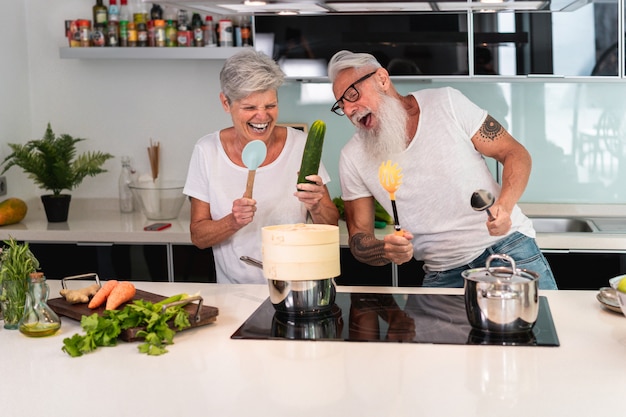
(101, 331)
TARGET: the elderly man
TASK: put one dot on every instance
(439, 140)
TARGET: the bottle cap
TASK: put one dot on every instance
(36, 276)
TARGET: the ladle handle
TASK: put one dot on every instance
(249, 183)
(490, 215)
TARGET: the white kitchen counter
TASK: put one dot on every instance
(99, 221)
(207, 373)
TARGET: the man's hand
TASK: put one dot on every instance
(399, 249)
(500, 222)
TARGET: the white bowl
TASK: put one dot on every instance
(159, 201)
(621, 297)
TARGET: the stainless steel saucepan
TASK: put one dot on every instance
(501, 299)
(308, 297)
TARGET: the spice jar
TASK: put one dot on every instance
(159, 32)
(132, 34)
(84, 30)
(38, 319)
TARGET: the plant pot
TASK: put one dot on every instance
(56, 206)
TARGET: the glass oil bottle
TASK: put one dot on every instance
(39, 319)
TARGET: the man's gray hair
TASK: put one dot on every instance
(247, 72)
(345, 59)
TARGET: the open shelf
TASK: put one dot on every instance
(147, 53)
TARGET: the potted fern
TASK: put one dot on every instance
(51, 162)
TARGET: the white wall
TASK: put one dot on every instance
(117, 105)
(14, 92)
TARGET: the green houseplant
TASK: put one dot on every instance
(16, 264)
(52, 163)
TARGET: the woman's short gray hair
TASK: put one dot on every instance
(345, 59)
(247, 72)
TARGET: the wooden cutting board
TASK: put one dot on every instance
(206, 315)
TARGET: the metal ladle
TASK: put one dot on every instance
(482, 200)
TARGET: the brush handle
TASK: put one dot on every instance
(396, 222)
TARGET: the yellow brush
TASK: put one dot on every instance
(390, 178)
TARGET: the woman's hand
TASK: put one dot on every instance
(311, 194)
(243, 211)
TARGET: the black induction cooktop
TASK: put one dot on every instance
(407, 318)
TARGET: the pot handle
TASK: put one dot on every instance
(503, 257)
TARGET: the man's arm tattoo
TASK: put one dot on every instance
(367, 249)
(491, 129)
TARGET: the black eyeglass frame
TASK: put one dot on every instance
(337, 108)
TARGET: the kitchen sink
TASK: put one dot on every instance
(561, 225)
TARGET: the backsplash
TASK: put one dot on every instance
(573, 130)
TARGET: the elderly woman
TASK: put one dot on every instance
(220, 217)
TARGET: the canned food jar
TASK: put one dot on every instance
(84, 30)
(225, 29)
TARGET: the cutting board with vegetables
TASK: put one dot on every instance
(197, 316)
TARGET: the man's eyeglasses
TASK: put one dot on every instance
(351, 95)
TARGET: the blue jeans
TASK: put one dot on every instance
(521, 248)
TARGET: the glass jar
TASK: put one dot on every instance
(159, 32)
(38, 319)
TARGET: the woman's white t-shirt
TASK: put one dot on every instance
(213, 178)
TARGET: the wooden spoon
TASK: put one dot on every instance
(253, 155)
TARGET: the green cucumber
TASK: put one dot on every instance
(312, 154)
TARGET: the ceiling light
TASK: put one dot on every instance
(254, 3)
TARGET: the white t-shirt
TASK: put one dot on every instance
(215, 179)
(441, 169)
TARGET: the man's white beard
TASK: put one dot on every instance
(389, 138)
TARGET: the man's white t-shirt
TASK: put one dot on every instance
(440, 171)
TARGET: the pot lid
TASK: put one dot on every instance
(500, 274)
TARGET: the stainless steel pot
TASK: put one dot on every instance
(501, 299)
(308, 297)
(328, 325)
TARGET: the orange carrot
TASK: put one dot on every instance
(102, 294)
(124, 291)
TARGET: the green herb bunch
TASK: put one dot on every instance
(158, 327)
(16, 264)
(52, 164)
(16, 261)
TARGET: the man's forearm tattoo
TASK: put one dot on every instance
(367, 249)
(491, 129)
